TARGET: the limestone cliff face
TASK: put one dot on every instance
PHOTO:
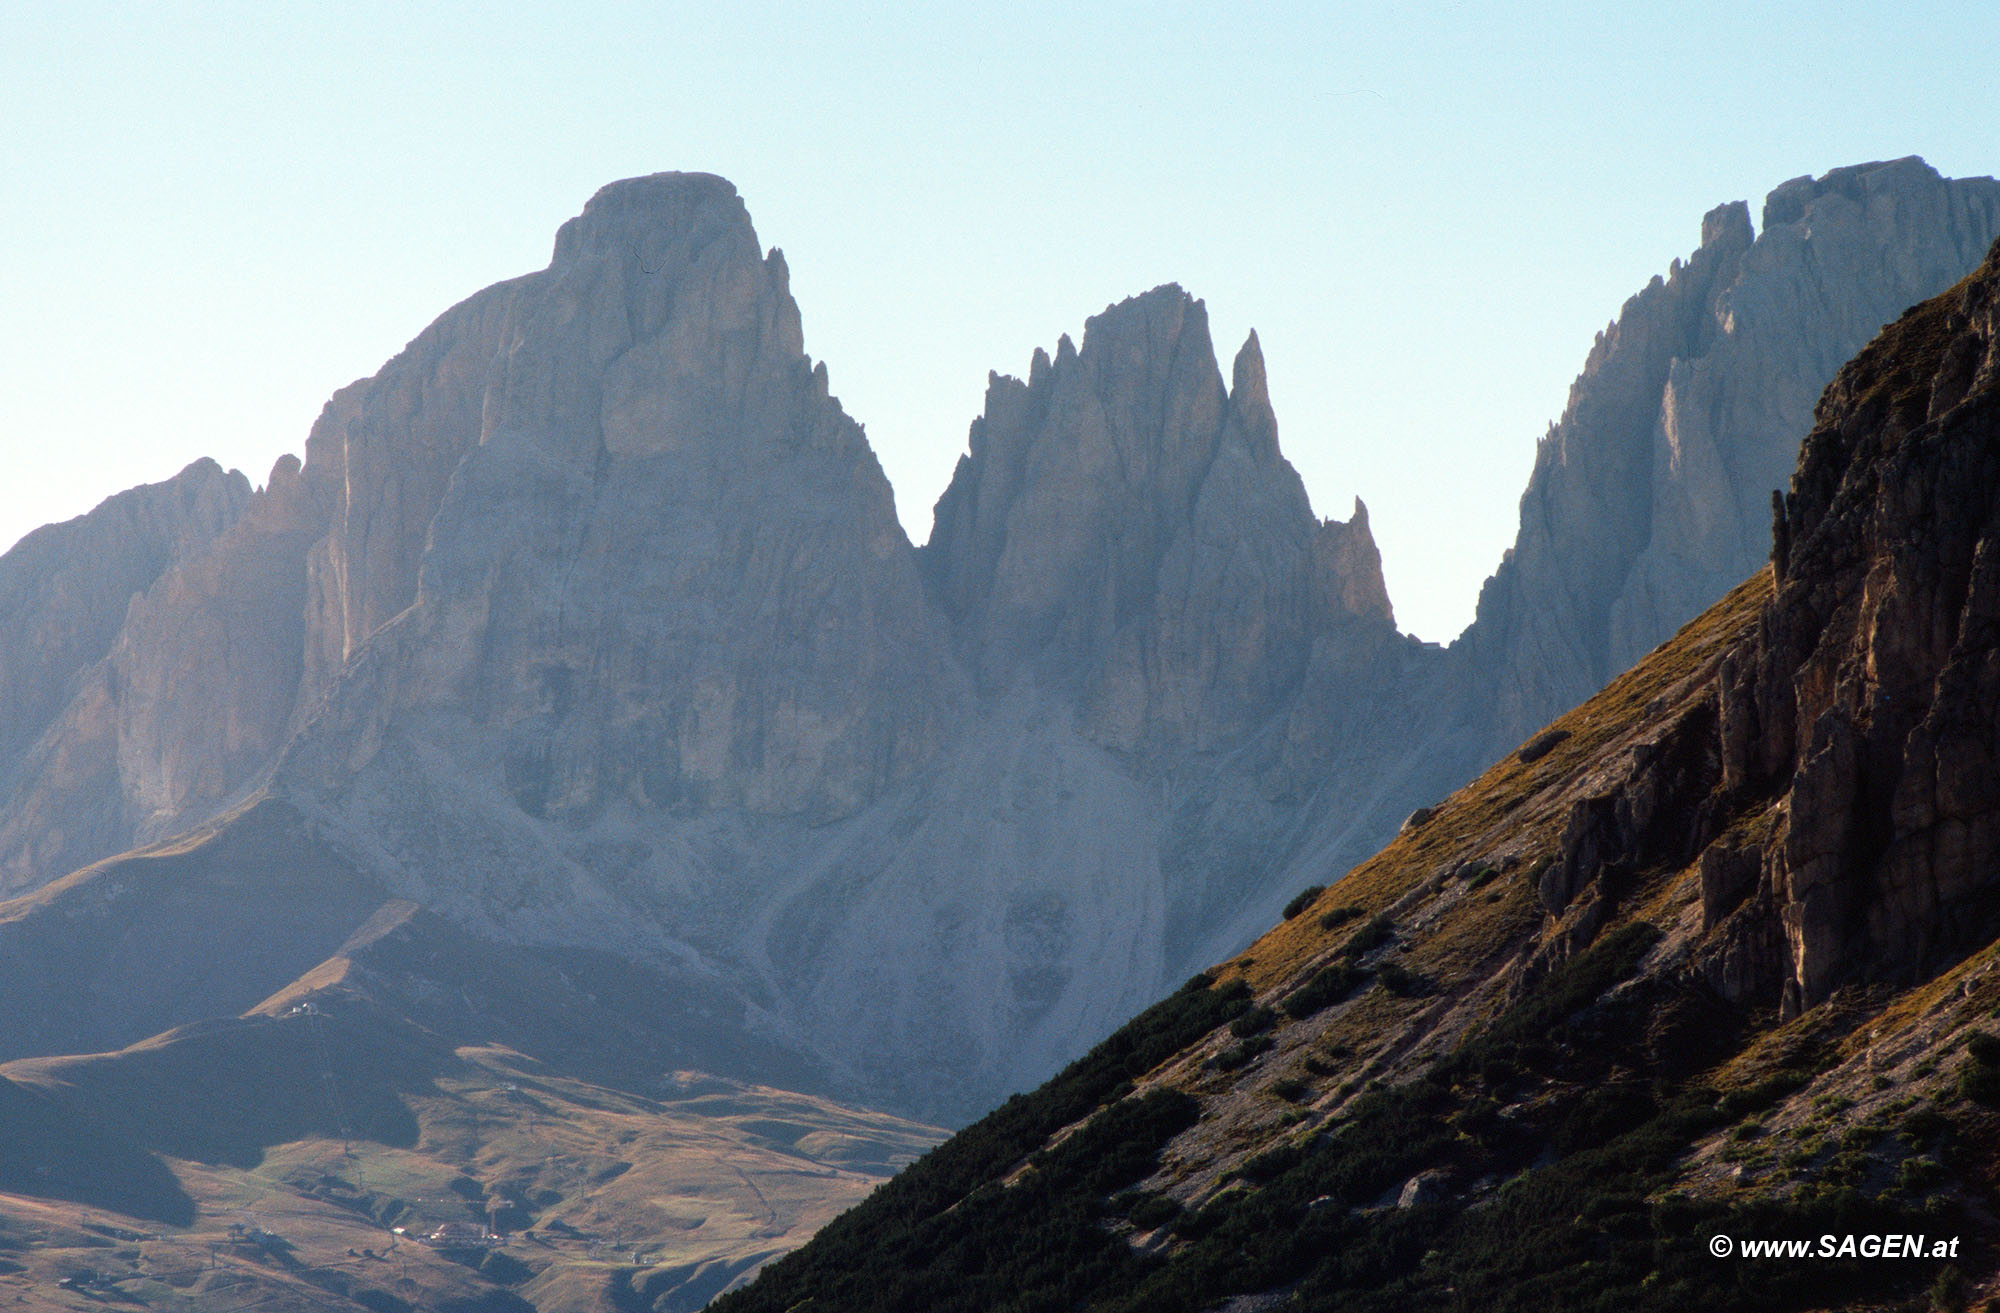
(1650, 497)
(68, 593)
(1859, 723)
(665, 572)
(379, 459)
(1874, 689)
(1125, 530)
(64, 588)
(588, 622)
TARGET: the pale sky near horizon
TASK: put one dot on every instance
(215, 214)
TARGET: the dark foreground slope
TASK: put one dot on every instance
(1711, 957)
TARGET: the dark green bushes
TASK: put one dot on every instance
(1253, 1021)
(1979, 1078)
(1327, 986)
(1401, 981)
(1036, 1244)
(1380, 930)
(1270, 1164)
(1147, 1211)
(1242, 1055)
(1340, 916)
(1303, 899)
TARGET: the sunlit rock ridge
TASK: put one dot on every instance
(1651, 496)
(588, 621)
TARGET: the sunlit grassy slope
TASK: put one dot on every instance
(409, 1077)
(1410, 1095)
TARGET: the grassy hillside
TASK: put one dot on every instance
(610, 1201)
(1401, 1098)
(418, 1077)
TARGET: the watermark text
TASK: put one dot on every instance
(1838, 1246)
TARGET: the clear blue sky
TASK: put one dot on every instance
(215, 214)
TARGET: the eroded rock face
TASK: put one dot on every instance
(1876, 680)
(588, 621)
(65, 587)
(1650, 497)
(1125, 531)
(667, 574)
(379, 458)
(68, 595)
(1862, 720)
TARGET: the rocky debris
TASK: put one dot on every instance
(1648, 498)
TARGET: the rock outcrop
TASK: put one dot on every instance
(1874, 689)
(1860, 722)
(1650, 497)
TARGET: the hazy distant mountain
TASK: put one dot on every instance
(1651, 496)
(1715, 968)
(587, 624)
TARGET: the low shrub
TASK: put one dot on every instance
(1340, 916)
(1379, 931)
(1401, 981)
(1303, 899)
(1979, 1077)
(1242, 1055)
(1255, 1021)
(1327, 986)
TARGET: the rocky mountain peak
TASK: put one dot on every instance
(1348, 567)
(1855, 184)
(1727, 225)
(1250, 403)
(1650, 496)
(65, 588)
(669, 562)
(1124, 531)
(637, 216)
(660, 325)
